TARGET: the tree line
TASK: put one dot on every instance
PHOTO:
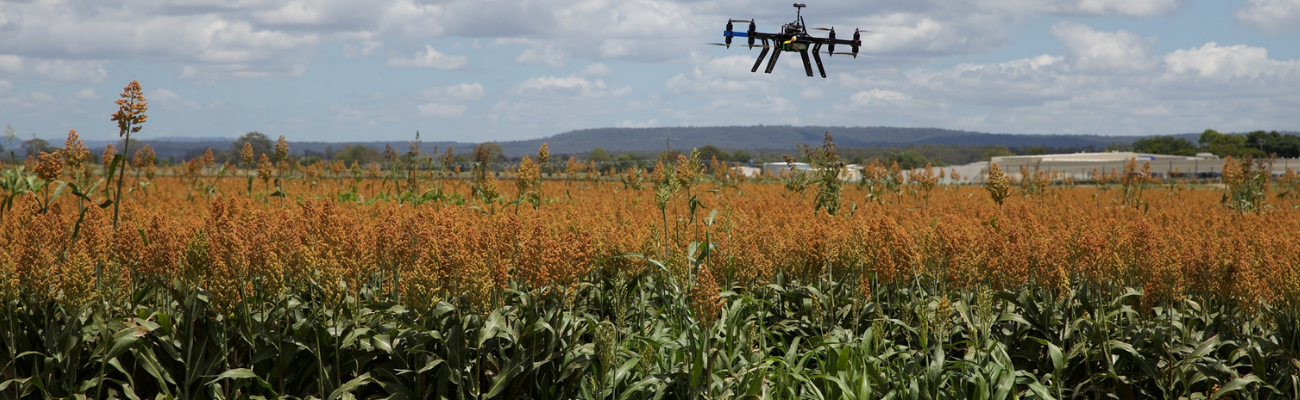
(1254, 144)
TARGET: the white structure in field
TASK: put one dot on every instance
(1114, 156)
(778, 168)
(1081, 166)
(852, 172)
(748, 172)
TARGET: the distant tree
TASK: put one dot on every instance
(261, 143)
(907, 160)
(36, 146)
(1274, 143)
(741, 156)
(1261, 140)
(1165, 145)
(1211, 137)
(1287, 146)
(358, 153)
(10, 136)
(988, 152)
(1035, 150)
(1118, 146)
(709, 152)
(598, 155)
(1226, 145)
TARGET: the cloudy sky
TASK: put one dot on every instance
(335, 70)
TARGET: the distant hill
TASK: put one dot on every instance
(783, 138)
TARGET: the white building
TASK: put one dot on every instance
(778, 168)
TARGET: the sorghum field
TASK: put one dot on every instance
(411, 279)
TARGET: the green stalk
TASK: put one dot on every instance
(13, 345)
(338, 343)
(189, 350)
(117, 198)
(320, 364)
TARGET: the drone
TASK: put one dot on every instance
(793, 38)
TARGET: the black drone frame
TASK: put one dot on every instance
(793, 38)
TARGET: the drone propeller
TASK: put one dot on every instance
(742, 45)
(741, 20)
(832, 29)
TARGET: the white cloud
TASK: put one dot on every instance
(447, 102)
(169, 100)
(888, 107)
(627, 123)
(596, 69)
(555, 30)
(1106, 81)
(812, 93)
(41, 97)
(54, 70)
(367, 47)
(439, 110)
(1125, 8)
(374, 111)
(1010, 83)
(909, 33)
(1225, 87)
(723, 76)
(1215, 62)
(571, 85)
(320, 13)
(11, 64)
(412, 18)
(209, 41)
(429, 58)
(1271, 15)
(544, 53)
(1105, 52)
(63, 71)
(733, 111)
(87, 94)
(1128, 8)
(459, 92)
(878, 96)
(552, 104)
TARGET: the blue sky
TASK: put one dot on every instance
(334, 70)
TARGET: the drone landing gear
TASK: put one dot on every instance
(816, 53)
(761, 55)
(771, 62)
(807, 64)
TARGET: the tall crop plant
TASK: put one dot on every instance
(130, 118)
(827, 174)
